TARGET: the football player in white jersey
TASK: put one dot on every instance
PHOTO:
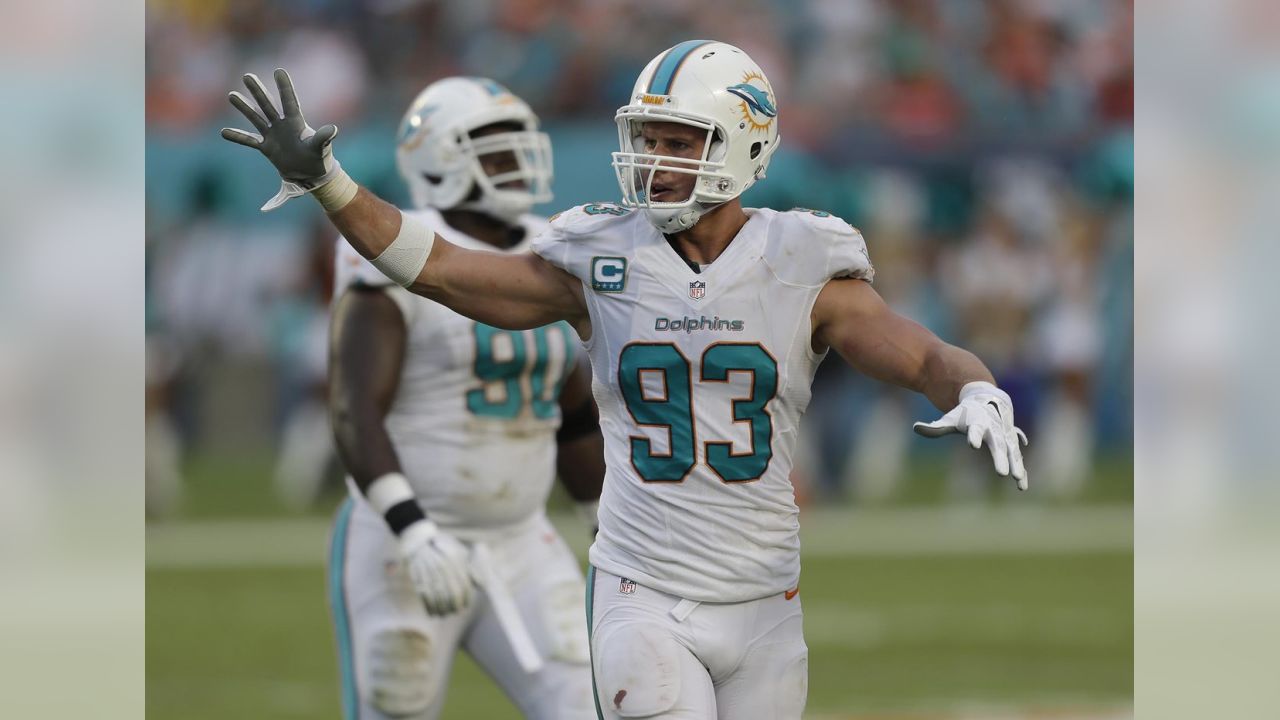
(704, 322)
(452, 432)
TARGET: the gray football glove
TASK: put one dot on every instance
(301, 154)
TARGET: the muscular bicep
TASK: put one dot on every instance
(366, 350)
(851, 317)
(515, 292)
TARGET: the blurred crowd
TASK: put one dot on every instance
(983, 147)
(915, 70)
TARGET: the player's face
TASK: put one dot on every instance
(497, 163)
(673, 140)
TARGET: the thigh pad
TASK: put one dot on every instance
(637, 668)
(401, 668)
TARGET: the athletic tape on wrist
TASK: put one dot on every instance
(335, 193)
(404, 257)
(393, 498)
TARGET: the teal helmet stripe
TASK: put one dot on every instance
(660, 83)
(490, 86)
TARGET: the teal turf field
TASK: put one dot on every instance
(910, 612)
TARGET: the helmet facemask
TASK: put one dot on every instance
(519, 176)
(636, 169)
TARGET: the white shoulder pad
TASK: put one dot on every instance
(583, 232)
(811, 247)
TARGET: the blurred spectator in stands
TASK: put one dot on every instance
(994, 282)
(1070, 344)
(896, 208)
(301, 315)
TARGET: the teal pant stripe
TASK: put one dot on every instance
(341, 621)
(660, 83)
(591, 593)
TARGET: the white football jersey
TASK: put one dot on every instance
(701, 379)
(475, 415)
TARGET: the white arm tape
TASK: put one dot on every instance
(388, 491)
(404, 257)
(334, 194)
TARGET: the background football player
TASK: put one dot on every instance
(452, 431)
(704, 323)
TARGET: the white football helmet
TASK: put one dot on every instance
(440, 160)
(712, 86)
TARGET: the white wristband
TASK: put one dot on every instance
(336, 192)
(407, 254)
(388, 491)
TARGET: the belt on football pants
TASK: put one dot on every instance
(504, 606)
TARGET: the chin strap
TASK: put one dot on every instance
(668, 224)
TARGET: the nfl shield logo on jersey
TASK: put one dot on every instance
(697, 289)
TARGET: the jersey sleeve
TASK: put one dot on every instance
(849, 257)
(573, 237)
(351, 269)
(812, 247)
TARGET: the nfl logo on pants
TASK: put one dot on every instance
(697, 289)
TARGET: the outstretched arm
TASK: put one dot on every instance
(515, 292)
(508, 291)
(852, 318)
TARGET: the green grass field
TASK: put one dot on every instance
(910, 612)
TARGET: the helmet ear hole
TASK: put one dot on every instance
(755, 150)
(433, 179)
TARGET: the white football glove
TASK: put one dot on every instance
(985, 415)
(301, 154)
(439, 566)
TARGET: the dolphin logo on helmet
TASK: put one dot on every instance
(756, 99)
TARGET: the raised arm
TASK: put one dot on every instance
(508, 291)
(852, 318)
(514, 292)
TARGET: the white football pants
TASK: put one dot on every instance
(395, 659)
(655, 655)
